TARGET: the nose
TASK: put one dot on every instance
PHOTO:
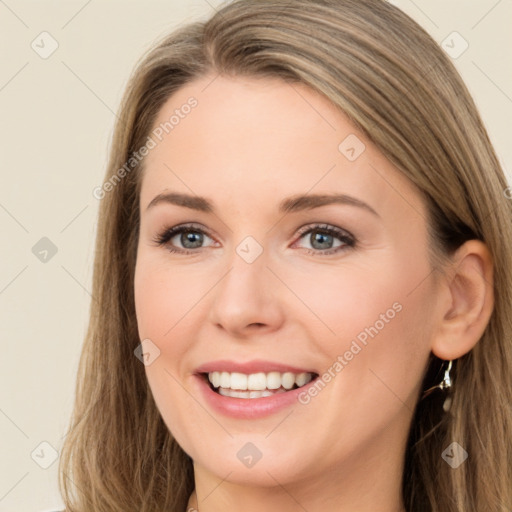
(247, 299)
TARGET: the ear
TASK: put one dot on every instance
(469, 292)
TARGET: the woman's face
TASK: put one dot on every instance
(272, 277)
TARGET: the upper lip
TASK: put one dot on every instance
(248, 367)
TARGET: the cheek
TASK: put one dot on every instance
(152, 299)
(163, 297)
(376, 317)
(345, 302)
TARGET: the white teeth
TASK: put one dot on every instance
(238, 381)
(214, 379)
(248, 394)
(302, 378)
(257, 382)
(225, 380)
(273, 380)
(288, 380)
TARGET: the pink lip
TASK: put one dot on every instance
(248, 408)
(255, 366)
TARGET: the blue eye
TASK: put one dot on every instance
(321, 236)
(191, 237)
(321, 239)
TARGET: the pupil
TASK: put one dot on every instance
(321, 238)
(190, 236)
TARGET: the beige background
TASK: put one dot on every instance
(57, 116)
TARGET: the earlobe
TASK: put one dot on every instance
(469, 283)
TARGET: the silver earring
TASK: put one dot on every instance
(444, 384)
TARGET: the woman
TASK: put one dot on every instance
(226, 365)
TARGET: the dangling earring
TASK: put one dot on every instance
(444, 384)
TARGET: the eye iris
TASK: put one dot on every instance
(320, 237)
(191, 236)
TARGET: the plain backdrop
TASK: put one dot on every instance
(57, 113)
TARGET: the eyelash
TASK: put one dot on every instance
(349, 240)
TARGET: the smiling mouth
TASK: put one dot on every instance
(256, 385)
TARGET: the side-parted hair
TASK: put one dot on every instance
(398, 87)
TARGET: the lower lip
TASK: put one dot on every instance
(249, 408)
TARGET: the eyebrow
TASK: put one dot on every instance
(288, 205)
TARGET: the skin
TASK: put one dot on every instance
(248, 144)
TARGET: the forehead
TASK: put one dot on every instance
(251, 134)
(247, 112)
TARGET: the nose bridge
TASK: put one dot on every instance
(247, 278)
(246, 294)
(250, 250)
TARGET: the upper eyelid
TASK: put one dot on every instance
(323, 226)
(301, 231)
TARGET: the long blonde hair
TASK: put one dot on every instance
(397, 86)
